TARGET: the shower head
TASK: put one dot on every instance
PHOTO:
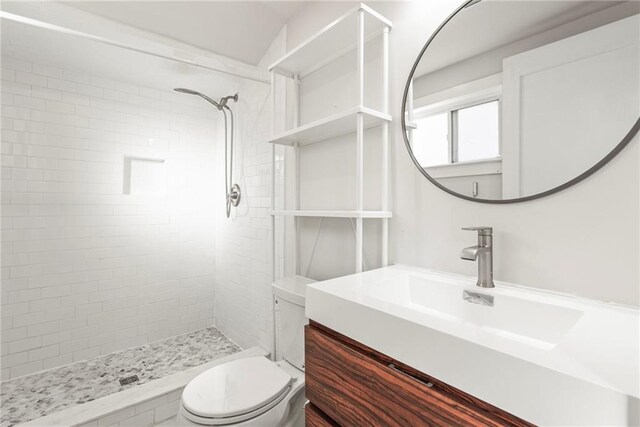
(205, 97)
(223, 101)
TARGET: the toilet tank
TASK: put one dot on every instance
(289, 296)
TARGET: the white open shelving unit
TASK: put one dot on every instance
(349, 32)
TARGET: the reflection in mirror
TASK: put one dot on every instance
(513, 98)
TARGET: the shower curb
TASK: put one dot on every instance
(146, 404)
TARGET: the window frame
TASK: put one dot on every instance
(450, 107)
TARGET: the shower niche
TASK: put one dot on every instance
(144, 176)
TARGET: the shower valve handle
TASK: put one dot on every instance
(235, 195)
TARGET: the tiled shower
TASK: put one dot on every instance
(113, 227)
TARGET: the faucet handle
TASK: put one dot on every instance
(482, 230)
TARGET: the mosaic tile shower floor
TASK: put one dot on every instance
(30, 397)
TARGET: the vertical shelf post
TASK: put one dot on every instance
(296, 206)
(360, 144)
(273, 218)
(273, 177)
(296, 176)
(385, 146)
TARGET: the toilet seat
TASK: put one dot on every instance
(235, 391)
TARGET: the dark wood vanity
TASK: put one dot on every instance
(350, 384)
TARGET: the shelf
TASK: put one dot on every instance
(330, 127)
(332, 214)
(330, 43)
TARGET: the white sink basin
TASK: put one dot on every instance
(535, 323)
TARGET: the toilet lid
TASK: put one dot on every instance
(235, 388)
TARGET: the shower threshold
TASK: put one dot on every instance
(48, 392)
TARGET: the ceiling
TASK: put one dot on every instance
(110, 62)
(241, 30)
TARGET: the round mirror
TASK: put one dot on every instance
(512, 100)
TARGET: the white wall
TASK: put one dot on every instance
(86, 269)
(584, 240)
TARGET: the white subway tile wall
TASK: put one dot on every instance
(87, 269)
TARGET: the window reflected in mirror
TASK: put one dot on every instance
(477, 132)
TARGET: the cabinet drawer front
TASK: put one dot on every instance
(355, 389)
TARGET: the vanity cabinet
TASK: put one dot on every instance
(350, 384)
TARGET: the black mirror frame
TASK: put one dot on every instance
(614, 152)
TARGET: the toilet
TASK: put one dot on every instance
(256, 391)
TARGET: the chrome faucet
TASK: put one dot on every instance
(483, 252)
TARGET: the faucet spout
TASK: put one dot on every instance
(473, 252)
